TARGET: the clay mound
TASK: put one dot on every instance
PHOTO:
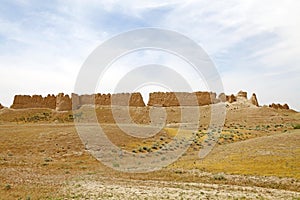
(1, 106)
(239, 100)
(240, 104)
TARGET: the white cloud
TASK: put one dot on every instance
(223, 28)
(125, 65)
(255, 44)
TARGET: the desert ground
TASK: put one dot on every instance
(257, 156)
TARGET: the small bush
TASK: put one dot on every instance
(71, 117)
(140, 149)
(48, 159)
(116, 165)
(219, 177)
(145, 148)
(7, 187)
(154, 147)
(297, 126)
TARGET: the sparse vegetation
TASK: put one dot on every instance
(52, 156)
(7, 187)
(219, 177)
(48, 159)
(116, 165)
(296, 126)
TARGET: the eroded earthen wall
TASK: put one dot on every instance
(35, 101)
(167, 99)
(122, 99)
(253, 100)
(279, 106)
(63, 102)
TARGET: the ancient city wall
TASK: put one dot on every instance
(63, 102)
(167, 99)
(35, 101)
(123, 99)
(279, 106)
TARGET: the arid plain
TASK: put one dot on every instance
(256, 156)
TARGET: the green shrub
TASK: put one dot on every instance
(7, 187)
(145, 148)
(48, 159)
(116, 165)
(219, 177)
(297, 126)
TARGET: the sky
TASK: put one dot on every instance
(255, 45)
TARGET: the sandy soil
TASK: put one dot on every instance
(104, 188)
